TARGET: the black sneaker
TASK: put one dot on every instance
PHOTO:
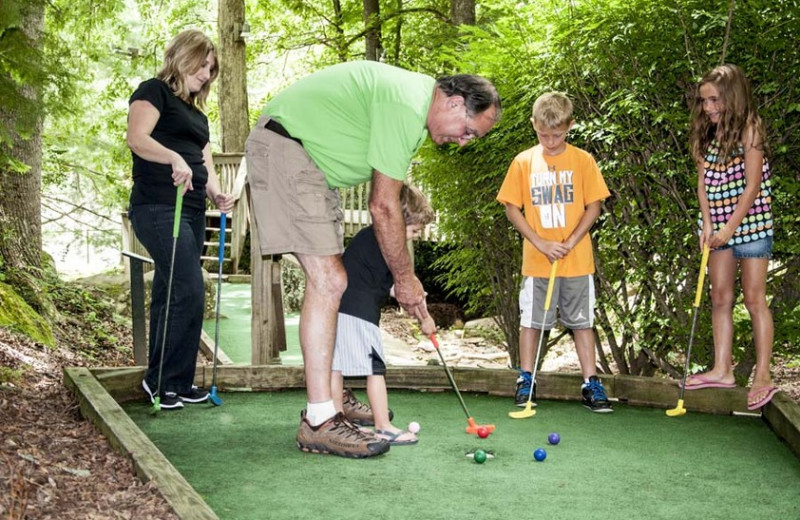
(594, 396)
(524, 389)
(196, 395)
(171, 401)
(168, 401)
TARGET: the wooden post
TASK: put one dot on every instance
(137, 306)
(267, 327)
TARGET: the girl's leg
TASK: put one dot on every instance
(337, 388)
(754, 287)
(379, 402)
(722, 274)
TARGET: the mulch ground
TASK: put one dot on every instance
(53, 463)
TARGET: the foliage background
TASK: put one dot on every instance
(630, 67)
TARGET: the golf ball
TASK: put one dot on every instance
(554, 438)
(480, 456)
(413, 427)
(483, 432)
(539, 454)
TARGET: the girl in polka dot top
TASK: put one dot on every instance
(727, 142)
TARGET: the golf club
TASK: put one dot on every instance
(176, 226)
(213, 397)
(472, 428)
(679, 409)
(529, 411)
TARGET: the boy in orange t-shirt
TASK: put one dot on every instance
(553, 194)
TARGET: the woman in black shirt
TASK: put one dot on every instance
(169, 140)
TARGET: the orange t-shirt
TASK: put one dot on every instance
(553, 192)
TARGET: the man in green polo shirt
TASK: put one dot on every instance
(341, 126)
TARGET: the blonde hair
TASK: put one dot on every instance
(416, 208)
(740, 114)
(185, 55)
(552, 109)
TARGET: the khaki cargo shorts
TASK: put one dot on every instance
(294, 209)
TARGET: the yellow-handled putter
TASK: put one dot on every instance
(529, 411)
(679, 409)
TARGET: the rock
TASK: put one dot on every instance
(481, 323)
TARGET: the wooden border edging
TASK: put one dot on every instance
(124, 436)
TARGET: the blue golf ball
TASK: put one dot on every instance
(539, 454)
(554, 438)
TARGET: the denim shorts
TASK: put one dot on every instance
(761, 248)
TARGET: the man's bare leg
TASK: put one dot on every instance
(326, 281)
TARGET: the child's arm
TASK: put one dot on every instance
(588, 219)
(705, 212)
(552, 250)
(753, 162)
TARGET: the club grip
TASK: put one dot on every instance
(701, 278)
(222, 224)
(433, 340)
(550, 284)
(176, 226)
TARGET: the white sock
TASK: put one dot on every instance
(318, 413)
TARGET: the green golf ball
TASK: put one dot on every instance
(480, 456)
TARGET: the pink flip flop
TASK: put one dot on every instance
(705, 382)
(772, 390)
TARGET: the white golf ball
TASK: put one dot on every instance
(413, 427)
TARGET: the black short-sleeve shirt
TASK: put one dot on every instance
(181, 128)
(368, 277)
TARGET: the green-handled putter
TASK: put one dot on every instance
(176, 227)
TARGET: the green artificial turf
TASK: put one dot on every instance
(634, 463)
(234, 326)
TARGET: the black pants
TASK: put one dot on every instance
(153, 224)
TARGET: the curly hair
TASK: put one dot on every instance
(478, 92)
(185, 54)
(739, 116)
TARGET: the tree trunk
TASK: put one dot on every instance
(232, 87)
(21, 177)
(372, 24)
(462, 12)
(21, 116)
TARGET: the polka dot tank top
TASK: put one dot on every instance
(725, 183)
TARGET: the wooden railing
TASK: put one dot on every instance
(231, 172)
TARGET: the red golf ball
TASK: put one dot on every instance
(483, 432)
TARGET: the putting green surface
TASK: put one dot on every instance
(635, 463)
(234, 326)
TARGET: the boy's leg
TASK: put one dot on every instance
(584, 346)
(576, 304)
(531, 304)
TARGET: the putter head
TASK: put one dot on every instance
(678, 410)
(525, 413)
(472, 428)
(156, 405)
(214, 398)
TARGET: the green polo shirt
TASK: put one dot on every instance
(357, 116)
